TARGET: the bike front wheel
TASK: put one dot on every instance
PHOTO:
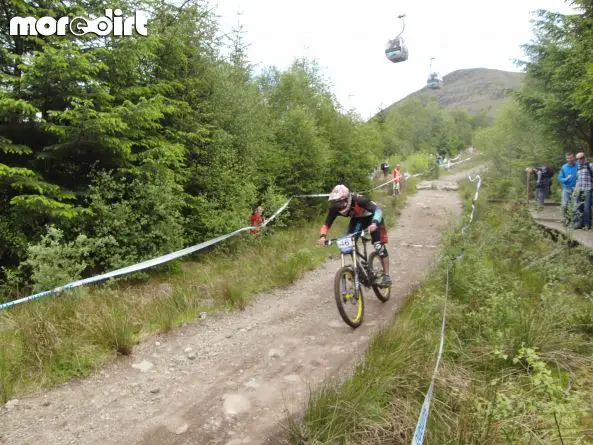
(376, 265)
(349, 300)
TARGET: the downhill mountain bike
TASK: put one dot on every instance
(362, 270)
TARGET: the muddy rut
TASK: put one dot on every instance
(229, 379)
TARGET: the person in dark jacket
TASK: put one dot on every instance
(542, 182)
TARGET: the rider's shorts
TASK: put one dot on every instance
(383, 233)
(358, 224)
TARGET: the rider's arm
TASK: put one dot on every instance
(329, 220)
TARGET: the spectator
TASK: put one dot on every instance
(385, 168)
(568, 178)
(551, 171)
(582, 193)
(542, 182)
(256, 219)
(397, 180)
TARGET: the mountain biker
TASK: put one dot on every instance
(364, 214)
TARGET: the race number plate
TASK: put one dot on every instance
(345, 243)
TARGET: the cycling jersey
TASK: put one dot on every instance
(363, 212)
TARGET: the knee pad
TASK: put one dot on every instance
(381, 250)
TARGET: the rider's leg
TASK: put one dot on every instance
(379, 238)
(384, 255)
(381, 249)
(385, 261)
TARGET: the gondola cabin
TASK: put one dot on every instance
(433, 82)
(396, 50)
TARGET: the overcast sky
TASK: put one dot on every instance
(348, 39)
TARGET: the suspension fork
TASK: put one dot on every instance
(354, 268)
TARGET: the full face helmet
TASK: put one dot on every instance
(340, 199)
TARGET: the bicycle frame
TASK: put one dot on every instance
(362, 271)
(359, 259)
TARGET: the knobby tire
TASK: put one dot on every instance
(347, 270)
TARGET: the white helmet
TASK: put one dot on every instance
(340, 198)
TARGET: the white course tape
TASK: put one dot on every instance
(471, 216)
(162, 259)
(277, 212)
(145, 264)
(450, 164)
(318, 195)
(418, 437)
(129, 269)
(379, 186)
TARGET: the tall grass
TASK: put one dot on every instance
(517, 366)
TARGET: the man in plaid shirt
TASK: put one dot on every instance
(582, 195)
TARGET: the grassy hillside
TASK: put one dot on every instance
(517, 365)
(473, 90)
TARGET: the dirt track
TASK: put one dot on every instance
(229, 379)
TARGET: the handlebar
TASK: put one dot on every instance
(361, 233)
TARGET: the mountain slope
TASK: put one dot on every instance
(473, 90)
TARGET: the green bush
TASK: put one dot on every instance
(134, 219)
(54, 262)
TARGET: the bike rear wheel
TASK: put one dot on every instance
(375, 264)
(348, 298)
